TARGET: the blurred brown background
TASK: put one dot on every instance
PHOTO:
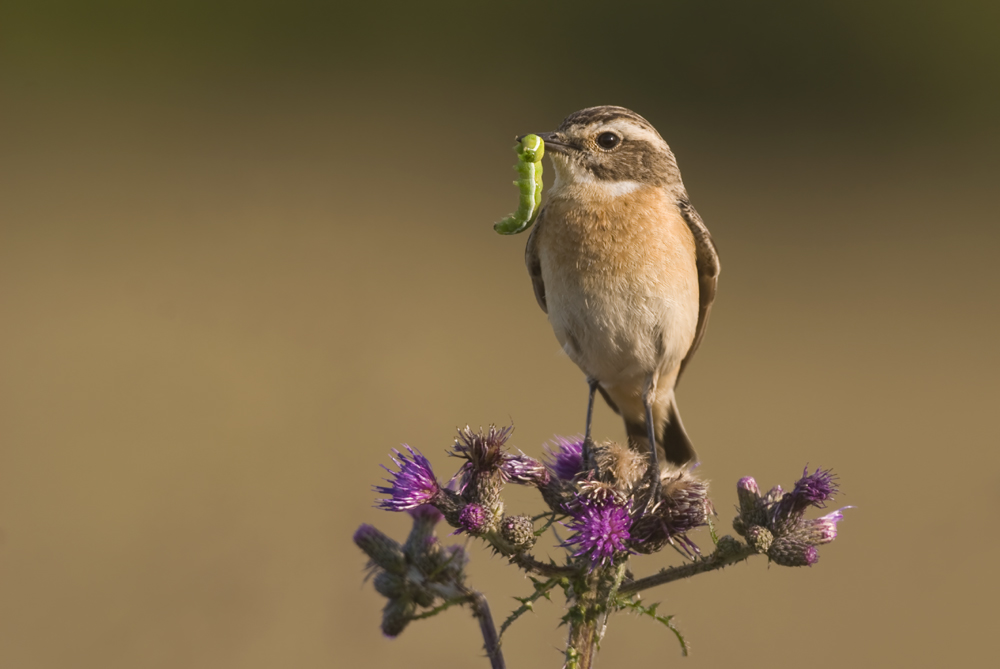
(246, 249)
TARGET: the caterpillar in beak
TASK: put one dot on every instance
(529, 169)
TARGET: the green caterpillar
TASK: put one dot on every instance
(529, 167)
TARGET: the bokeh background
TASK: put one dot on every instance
(246, 249)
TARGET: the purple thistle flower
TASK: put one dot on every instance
(821, 530)
(810, 490)
(414, 484)
(472, 518)
(524, 469)
(602, 531)
(565, 457)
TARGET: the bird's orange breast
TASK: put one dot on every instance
(620, 278)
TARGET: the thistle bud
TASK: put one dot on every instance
(396, 615)
(389, 585)
(791, 552)
(473, 519)
(727, 546)
(525, 470)
(382, 549)
(748, 493)
(751, 504)
(759, 538)
(519, 531)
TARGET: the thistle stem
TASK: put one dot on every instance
(481, 610)
(528, 563)
(736, 553)
(581, 647)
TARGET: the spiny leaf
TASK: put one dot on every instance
(711, 531)
(650, 611)
(542, 589)
(680, 637)
(553, 518)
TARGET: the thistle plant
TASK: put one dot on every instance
(608, 509)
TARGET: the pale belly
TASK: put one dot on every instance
(617, 330)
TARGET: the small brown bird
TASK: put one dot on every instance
(625, 269)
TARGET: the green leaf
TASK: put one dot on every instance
(650, 611)
(542, 589)
(553, 518)
(711, 531)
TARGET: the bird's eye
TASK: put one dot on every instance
(608, 140)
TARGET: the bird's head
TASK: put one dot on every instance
(611, 150)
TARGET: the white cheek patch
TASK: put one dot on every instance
(614, 188)
(570, 175)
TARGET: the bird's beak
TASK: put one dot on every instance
(553, 142)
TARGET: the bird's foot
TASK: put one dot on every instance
(587, 454)
(654, 489)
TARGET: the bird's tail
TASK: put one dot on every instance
(673, 445)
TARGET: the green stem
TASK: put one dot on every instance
(735, 552)
(606, 595)
(528, 563)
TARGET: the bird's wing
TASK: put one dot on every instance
(534, 264)
(708, 273)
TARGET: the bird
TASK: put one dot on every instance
(626, 271)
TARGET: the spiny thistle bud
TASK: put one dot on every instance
(382, 549)
(790, 552)
(421, 546)
(456, 558)
(422, 596)
(525, 470)
(565, 457)
(473, 519)
(519, 531)
(482, 476)
(773, 496)
(558, 494)
(752, 509)
(389, 585)
(727, 546)
(396, 615)
(414, 484)
(759, 538)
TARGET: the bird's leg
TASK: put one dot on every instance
(654, 465)
(587, 443)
